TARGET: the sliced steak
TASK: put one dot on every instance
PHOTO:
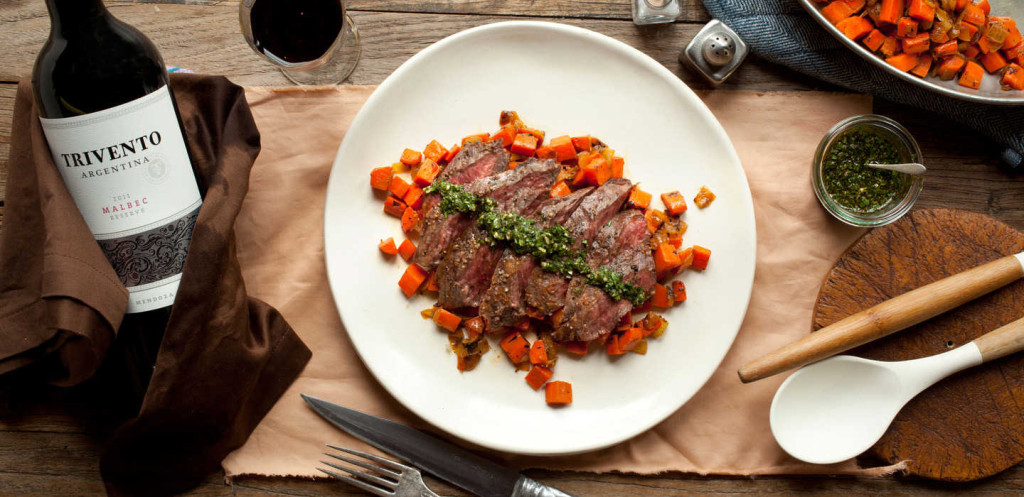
(546, 291)
(464, 273)
(477, 160)
(624, 246)
(504, 303)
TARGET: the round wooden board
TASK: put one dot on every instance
(970, 425)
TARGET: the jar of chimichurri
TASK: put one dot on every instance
(854, 193)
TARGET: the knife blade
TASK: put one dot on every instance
(440, 458)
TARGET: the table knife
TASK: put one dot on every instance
(442, 459)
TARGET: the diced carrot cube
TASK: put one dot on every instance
(950, 67)
(948, 48)
(538, 352)
(915, 45)
(426, 173)
(921, 10)
(546, 153)
(973, 14)
(660, 297)
(905, 28)
(411, 157)
(836, 11)
(411, 280)
(987, 46)
(538, 134)
(388, 246)
(394, 206)
(431, 286)
(538, 376)
(993, 62)
(686, 258)
(525, 145)
(855, 27)
(435, 151)
(630, 338)
(611, 346)
(874, 40)
(984, 6)
(665, 258)
(560, 189)
(407, 249)
(678, 291)
(891, 11)
(558, 393)
(674, 202)
(890, 46)
(414, 197)
(971, 77)
(675, 241)
(515, 346)
(398, 187)
(380, 178)
(924, 64)
(581, 143)
(701, 256)
(513, 164)
(507, 135)
(602, 170)
(704, 197)
(653, 220)
(618, 164)
(904, 61)
(409, 219)
(1013, 76)
(563, 147)
(446, 320)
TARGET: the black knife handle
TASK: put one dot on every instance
(527, 487)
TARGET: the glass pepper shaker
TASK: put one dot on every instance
(655, 11)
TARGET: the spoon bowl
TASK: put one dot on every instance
(835, 409)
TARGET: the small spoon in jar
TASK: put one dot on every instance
(911, 168)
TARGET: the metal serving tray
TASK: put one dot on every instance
(990, 91)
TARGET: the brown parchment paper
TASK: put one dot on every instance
(723, 429)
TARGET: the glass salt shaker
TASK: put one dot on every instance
(655, 11)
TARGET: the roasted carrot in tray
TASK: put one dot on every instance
(891, 11)
(992, 62)
(855, 27)
(950, 67)
(924, 64)
(874, 40)
(903, 61)
(1013, 77)
(971, 77)
(917, 44)
(836, 11)
(905, 28)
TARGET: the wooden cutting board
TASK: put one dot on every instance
(970, 425)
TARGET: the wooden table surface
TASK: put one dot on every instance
(49, 440)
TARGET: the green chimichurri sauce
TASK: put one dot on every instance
(848, 179)
(552, 247)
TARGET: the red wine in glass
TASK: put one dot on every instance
(314, 41)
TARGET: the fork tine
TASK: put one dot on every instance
(387, 462)
(364, 464)
(358, 484)
(389, 484)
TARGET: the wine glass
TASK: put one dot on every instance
(314, 42)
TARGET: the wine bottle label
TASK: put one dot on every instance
(129, 172)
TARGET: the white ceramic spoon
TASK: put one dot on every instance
(911, 168)
(833, 410)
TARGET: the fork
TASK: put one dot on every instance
(395, 480)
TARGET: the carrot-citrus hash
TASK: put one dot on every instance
(542, 243)
(944, 38)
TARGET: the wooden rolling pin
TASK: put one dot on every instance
(888, 317)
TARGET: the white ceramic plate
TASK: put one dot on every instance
(564, 80)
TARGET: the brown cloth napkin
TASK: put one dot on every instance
(225, 357)
(723, 429)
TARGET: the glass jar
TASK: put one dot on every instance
(656, 11)
(909, 187)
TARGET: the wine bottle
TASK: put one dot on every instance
(113, 130)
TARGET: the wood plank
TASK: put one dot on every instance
(186, 33)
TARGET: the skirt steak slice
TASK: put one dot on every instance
(477, 160)
(504, 303)
(464, 273)
(546, 291)
(623, 245)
